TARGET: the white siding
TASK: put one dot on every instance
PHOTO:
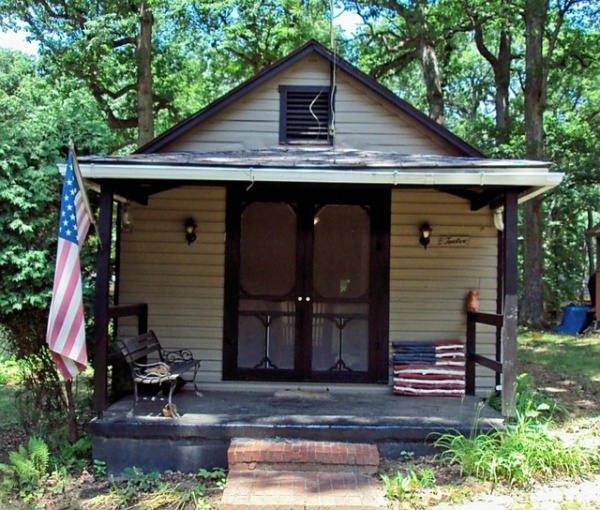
(183, 285)
(362, 119)
(428, 288)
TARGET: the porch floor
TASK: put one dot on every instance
(143, 437)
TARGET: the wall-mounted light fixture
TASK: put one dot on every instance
(126, 217)
(425, 234)
(190, 230)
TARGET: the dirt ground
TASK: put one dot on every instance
(451, 492)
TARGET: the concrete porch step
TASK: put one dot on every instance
(299, 455)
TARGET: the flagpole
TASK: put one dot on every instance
(86, 201)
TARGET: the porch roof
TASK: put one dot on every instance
(327, 166)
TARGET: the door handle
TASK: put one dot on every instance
(299, 298)
(307, 299)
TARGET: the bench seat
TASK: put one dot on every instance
(170, 368)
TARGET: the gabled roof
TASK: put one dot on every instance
(310, 47)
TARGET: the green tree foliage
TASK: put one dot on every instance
(150, 62)
(494, 26)
(254, 34)
(481, 49)
(572, 118)
(108, 46)
(37, 117)
(397, 34)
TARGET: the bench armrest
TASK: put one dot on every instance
(177, 356)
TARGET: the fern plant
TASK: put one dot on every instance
(75, 456)
(28, 466)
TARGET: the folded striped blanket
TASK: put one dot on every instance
(435, 368)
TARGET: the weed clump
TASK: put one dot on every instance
(404, 487)
(524, 451)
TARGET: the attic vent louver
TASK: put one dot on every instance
(304, 115)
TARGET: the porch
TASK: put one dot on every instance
(123, 437)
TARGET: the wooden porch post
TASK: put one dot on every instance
(509, 326)
(101, 302)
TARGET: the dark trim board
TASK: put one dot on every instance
(232, 279)
(141, 191)
(101, 301)
(380, 269)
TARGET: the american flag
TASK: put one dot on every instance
(434, 368)
(66, 327)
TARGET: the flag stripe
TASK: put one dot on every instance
(65, 285)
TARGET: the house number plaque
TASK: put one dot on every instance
(454, 241)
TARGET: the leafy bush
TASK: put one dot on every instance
(532, 401)
(216, 476)
(9, 371)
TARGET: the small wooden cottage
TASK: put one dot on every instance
(295, 228)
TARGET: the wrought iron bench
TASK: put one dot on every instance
(170, 368)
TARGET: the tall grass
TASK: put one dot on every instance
(525, 450)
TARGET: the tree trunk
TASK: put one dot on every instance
(500, 64)
(532, 312)
(532, 308)
(433, 81)
(502, 79)
(145, 110)
(589, 244)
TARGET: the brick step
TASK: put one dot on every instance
(301, 490)
(300, 455)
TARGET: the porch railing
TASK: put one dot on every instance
(474, 318)
(120, 371)
(140, 310)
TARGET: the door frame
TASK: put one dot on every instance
(379, 200)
